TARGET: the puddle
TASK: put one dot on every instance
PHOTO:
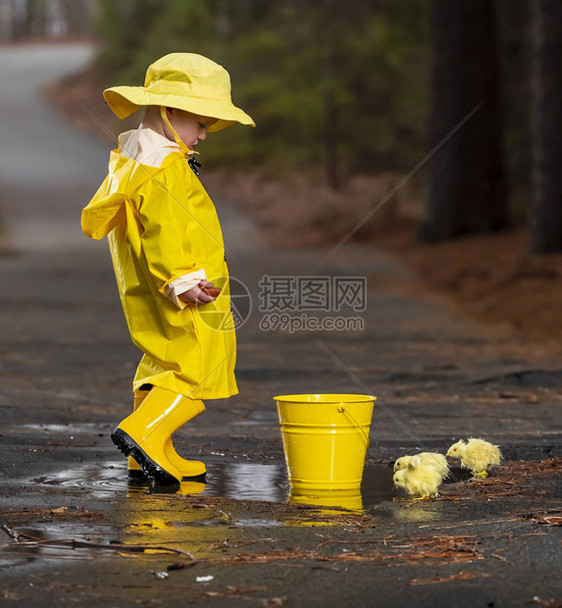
(43, 539)
(85, 428)
(100, 480)
(377, 485)
(259, 418)
(235, 480)
(142, 517)
(258, 523)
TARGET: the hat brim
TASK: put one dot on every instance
(125, 100)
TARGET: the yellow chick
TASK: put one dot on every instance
(419, 479)
(429, 458)
(476, 454)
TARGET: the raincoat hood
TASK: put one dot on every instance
(185, 81)
(103, 213)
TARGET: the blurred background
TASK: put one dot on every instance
(427, 127)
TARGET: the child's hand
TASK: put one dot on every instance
(196, 295)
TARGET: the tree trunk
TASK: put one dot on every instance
(546, 203)
(467, 190)
(331, 115)
(514, 39)
(36, 18)
(79, 15)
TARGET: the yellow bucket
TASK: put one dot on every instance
(325, 438)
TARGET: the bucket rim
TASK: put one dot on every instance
(331, 398)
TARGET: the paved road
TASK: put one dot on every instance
(66, 367)
(46, 167)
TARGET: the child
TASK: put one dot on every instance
(166, 242)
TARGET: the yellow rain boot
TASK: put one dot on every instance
(133, 467)
(189, 469)
(143, 434)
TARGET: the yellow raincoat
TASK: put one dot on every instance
(162, 225)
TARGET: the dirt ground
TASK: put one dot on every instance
(494, 279)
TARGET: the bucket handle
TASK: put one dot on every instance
(341, 409)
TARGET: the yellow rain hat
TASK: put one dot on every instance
(184, 81)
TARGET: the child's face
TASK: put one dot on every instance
(192, 128)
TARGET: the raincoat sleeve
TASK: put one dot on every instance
(163, 211)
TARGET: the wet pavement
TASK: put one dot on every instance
(77, 532)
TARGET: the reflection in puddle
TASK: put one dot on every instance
(346, 499)
(235, 480)
(412, 513)
(251, 481)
